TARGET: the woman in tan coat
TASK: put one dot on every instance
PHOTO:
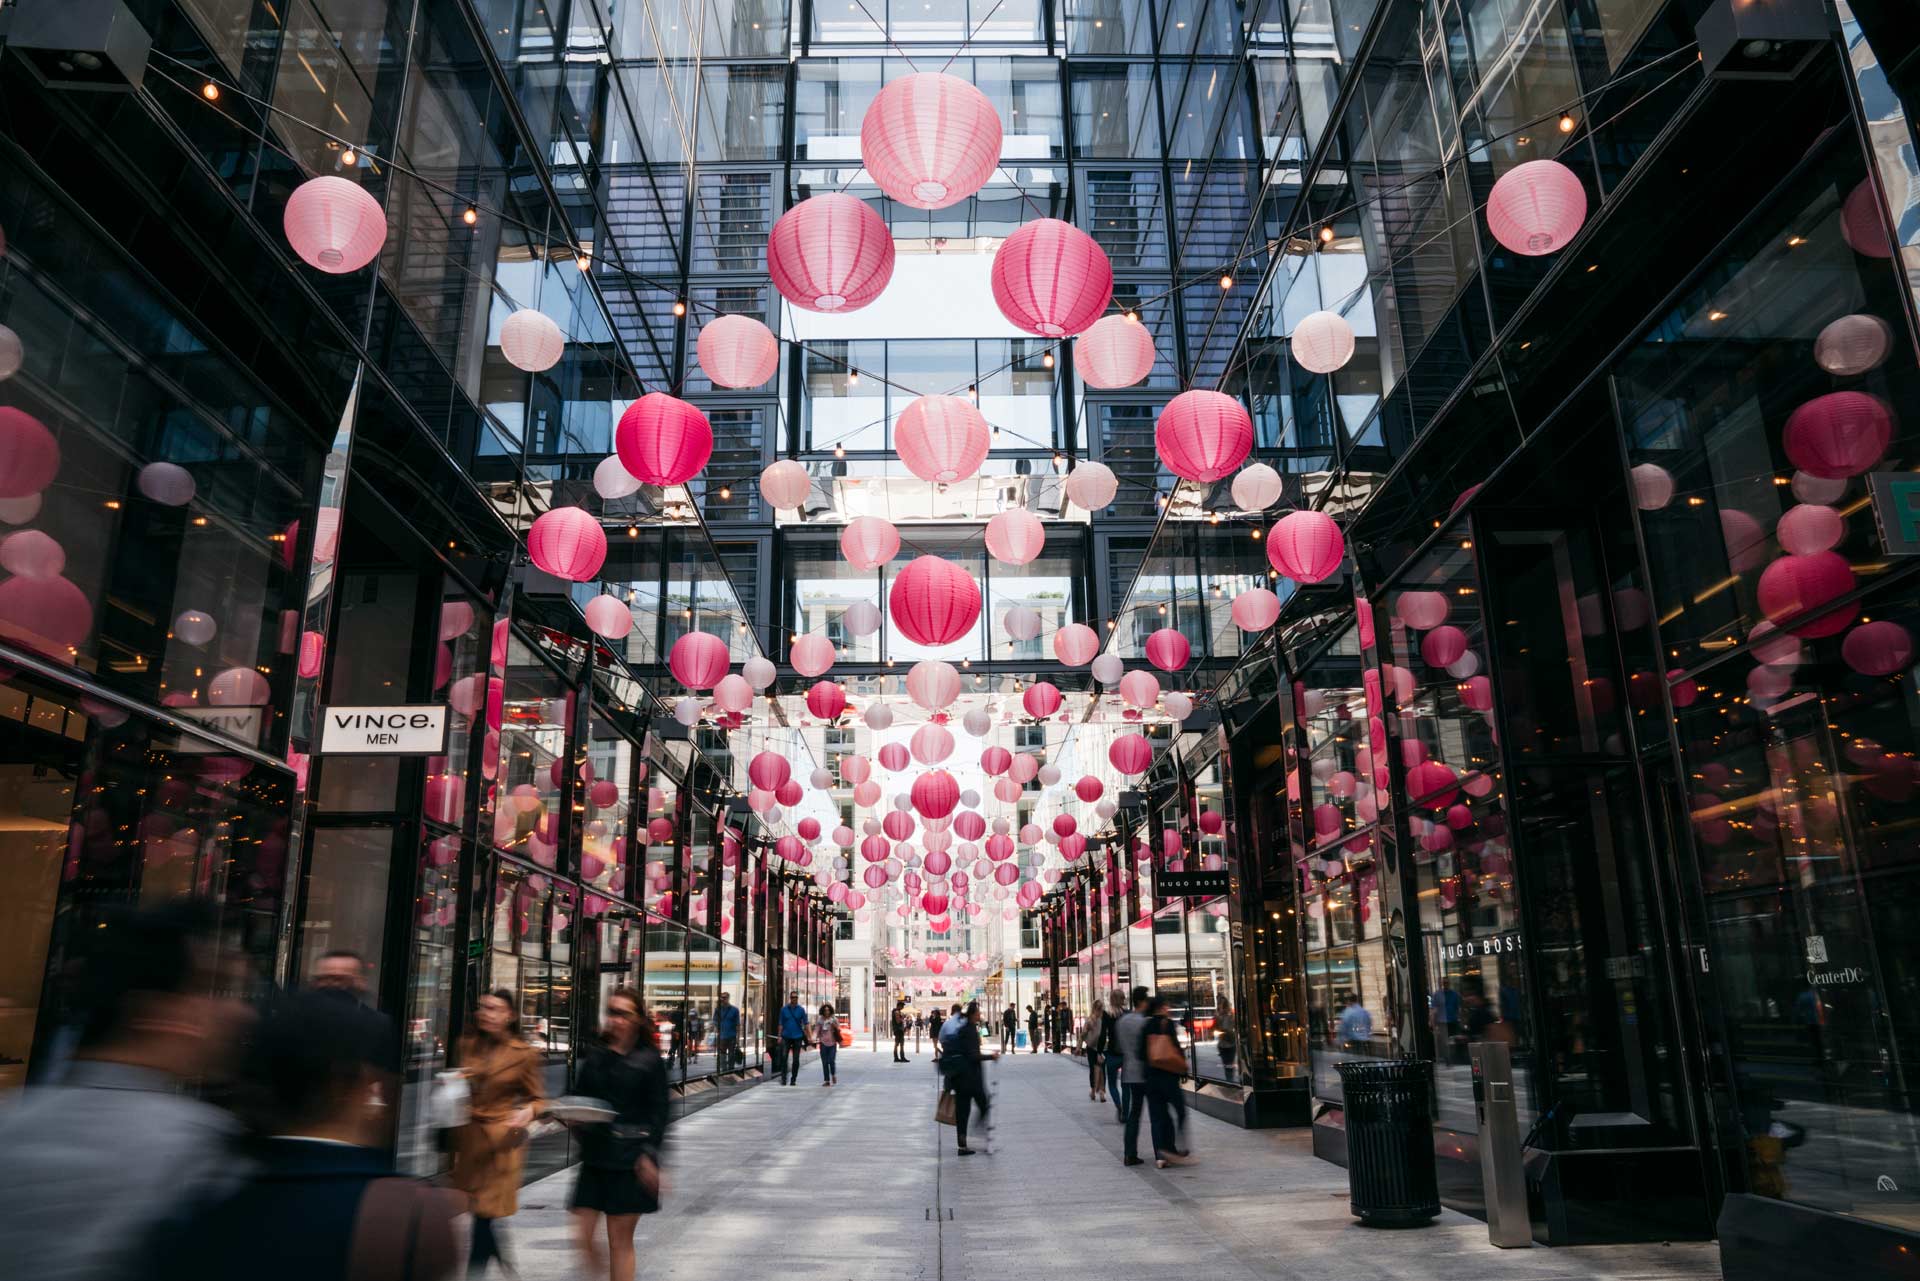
(503, 1081)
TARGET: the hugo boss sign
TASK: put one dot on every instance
(401, 730)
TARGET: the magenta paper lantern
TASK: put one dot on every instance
(969, 826)
(1212, 823)
(931, 744)
(830, 253)
(785, 484)
(1256, 609)
(1744, 539)
(1802, 531)
(1042, 699)
(50, 616)
(1306, 546)
(1140, 689)
(875, 848)
(698, 660)
(1431, 785)
(663, 440)
(609, 616)
(334, 225)
(1015, 536)
(1051, 278)
(1130, 754)
(938, 863)
(737, 351)
(568, 543)
(789, 793)
(1842, 433)
(1861, 223)
(1794, 585)
(1116, 351)
(29, 454)
(894, 756)
(812, 655)
(875, 876)
(1006, 874)
(995, 760)
(769, 770)
(869, 542)
(935, 794)
(1877, 649)
(1168, 649)
(933, 601)
(1443, 646)
(826, 700)
(790, 848)
(1203, 435)
(1536, 207)
(1076, 644)
(1322, 342)
(1072, 846)
(930, 140)
(942, 438)
(1089, 789)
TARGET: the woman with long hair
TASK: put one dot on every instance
(826, 1035)
(620, 1159)
(504, 1096)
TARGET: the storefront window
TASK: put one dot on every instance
(537, 718)
(666, 990)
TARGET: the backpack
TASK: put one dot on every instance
(950, 1035)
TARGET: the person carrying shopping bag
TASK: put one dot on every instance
(504, 1097)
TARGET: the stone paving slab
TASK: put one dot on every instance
(857, 1182)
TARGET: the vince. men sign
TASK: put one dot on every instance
(402, 730)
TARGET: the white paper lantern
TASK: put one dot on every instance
(822, 779)
(531, 341)
(12, 353)
(1108, 669)
(611, 479)
(1853, 345)
(1177, 705)
(18, 511)
(970, 799)
(784, 484)
(1092, 486)
(195, 627)
(862, 618)
(879, 717)
(977, 722)
(1806, 486)
(1322, 342)
(168, 484)
(1257, 487)
(1021, 623)
(1652, 487)
(760, 672)
(609, 616)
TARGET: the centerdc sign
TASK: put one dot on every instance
(398, 730)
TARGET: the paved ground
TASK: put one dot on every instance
(858, 1182)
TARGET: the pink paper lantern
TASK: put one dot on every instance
(1091, 486)
(604, 793)
(1203, 435)
(1212, 822)
(50, 616)
(1879, 648)
(933, 601)
(1140, 689)
(733, 692)
(29, 454)
(1853, 345)
(830, 253)
(1421, 610)
(812, 655)
(789, 793)
(869, 542)
(334, 225)
(737, 351)
(313, 649)
(1168, 649)
(568, 543)
(1052, 279)
(1861, 224)
(698, 660)
(609, 616)
(1006, 874)
(930, 140)
(1023, 768)
(1443, 645)
(933, 684)
(1131, 754)
(789, 848)
(768, 770)
(935, 794)
(1476, 693)
(1089, 789)
(1041, 699)
(875, 876)
(969, 826)
(1803, 530)
(1431, 785)
(826, 700)
(942, 438)
(1015, 536)
(1306, 546)
(1116, 351)
(31, 553)
(855, 769)
(1256, 609)
(931, 744)
(1792, 586)
(995, 760)
(1536, 207)
(530, 340)
(663, 440)
(239, 687)
(1840, 434)
(893, 756)
(785, 484)
(1076, 644)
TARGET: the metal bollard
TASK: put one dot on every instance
(1502, 1171)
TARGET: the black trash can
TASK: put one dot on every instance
(1389, 1115)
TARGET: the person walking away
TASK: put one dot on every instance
(93, 1163)
(901, 1017)
(504, 1096)
(1165, 1067)
(620, 1159)
(793, 1037)
(826, 1035)
(1226, 1041)
(1093, 1034)
(726, 1033)
(1111, 1058)
(961, 1061)
(1009, 1027)
(1033, 1030)
(323, 1202)
(1131, 1033)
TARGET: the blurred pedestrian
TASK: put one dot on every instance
(93, 1163)
(620, 1159)
(504, 1096)
(1131, 1032)
(961, 1063)
(902, 1016)
(1033, 1030)
(1111, 1059)
(1094, 1035)
(1009, 1027)
(323, 1202)
(1165, 1067)
(826, 1035)
(793, 1037)
(341, 971)
(726, 1033)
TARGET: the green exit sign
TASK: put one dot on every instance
(1896, 506)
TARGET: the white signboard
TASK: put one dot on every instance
(243, 723)
(399, 730)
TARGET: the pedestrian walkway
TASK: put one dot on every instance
(858, 1182)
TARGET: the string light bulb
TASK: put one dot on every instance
(853, 376)
(1566, 122)
(679, 307)
(1326, 235)
(839, 451)
(210, 91)
(1047, 360)
(726, 491)
(470, 216)
(347, 157)
(1226, 280)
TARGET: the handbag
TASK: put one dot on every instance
(846, 1038)
(447, 1107)
(1163, 1054)
(943, 1111)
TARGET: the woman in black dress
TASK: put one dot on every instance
(620, 1159)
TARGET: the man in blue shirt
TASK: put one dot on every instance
(726, 1033)
(793, 1036)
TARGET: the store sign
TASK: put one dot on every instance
(1896, 506)
(1492, 945)
(241, 723)
(402, 730)
(1191, 884)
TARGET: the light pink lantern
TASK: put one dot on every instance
(826, 700)
(1131, 754)
(663, 440)
(785, 484)
(1430, 784)
(930, 140)
(1306, 546)
(1536, 207)
(698, 660)
(1015, 536)
(855, 769)
(609, 616)
(1422, 610)
(1091, 486)
(1203, 435)
(737, 351)
(933, 684)
(933, 601)
(334, 225)
(1322, 342)
(894, 757)
(931, 744)
(1042, 699)
(1853, 345)
(531, 341)
(1803, 530)
(1792, 586)
(239, 687)
(830, 253)
(935, 794)
(942, 438)
(812, 655)
(733, 693)
(1051, 278)
(1140, 689)
(1879, 648)
(29, 454)
(1168, 649)
(1255, 609)
(1076, 644)
(32, 553)
(1024, 767)
(869, 542)
(1116, 351)
(568, 543)
(1842, 433)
